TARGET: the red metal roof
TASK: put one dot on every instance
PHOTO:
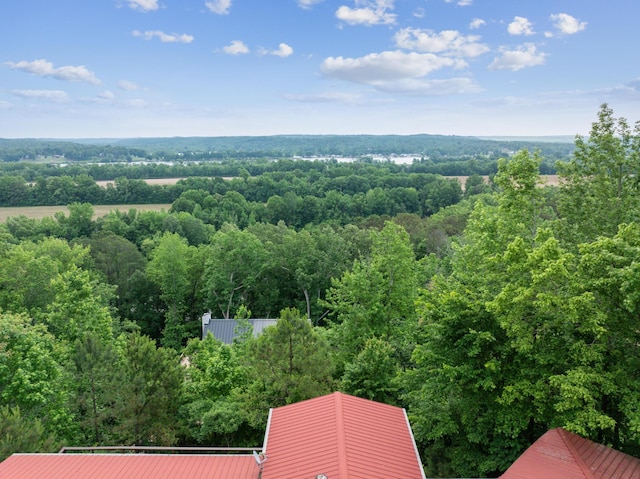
(128, 466)
(560, 454)
(342, 437)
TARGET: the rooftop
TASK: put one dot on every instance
(560, 454)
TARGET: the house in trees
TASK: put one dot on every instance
(336, 436)
(227, 329)
(560, 454)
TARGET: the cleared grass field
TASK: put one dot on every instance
(39, 212)
(547, 180)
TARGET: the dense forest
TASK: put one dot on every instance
(492, 314)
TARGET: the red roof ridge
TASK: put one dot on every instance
(343, 460)
(568, 439)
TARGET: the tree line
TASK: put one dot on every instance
(437, 147)
(334, 192)
(492, 320)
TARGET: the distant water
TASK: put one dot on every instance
(535, 139)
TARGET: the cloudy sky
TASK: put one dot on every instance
(145, 68)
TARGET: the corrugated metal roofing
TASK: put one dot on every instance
(342, 437)
(128, 466)
(560, 454)
(224, 329)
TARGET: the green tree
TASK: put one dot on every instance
(212, 408)
(79, 223)
(20, 435)
(516, 340)
(168, 268)
(119, 259)
(289, 362)
(27, 269)
(372, 374)
(96, 380)
(376, 298)
(234, 263)
(599, 188)
(79, 305)
(32, 377)
(149, 395)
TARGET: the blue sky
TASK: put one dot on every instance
(149, 68)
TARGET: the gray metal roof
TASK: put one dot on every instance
(224, 329)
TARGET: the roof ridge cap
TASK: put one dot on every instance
(340, 435)
(566, 438)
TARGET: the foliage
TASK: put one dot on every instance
(149, 394)
(375, 299)
(18, 434)
(96, 382)
(32, 376)
(212, 408)
(600, 183)
(290, 362)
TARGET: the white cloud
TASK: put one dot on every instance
(439, 87)
(566, 24)
(5, 105)
(163, 37)
(447, 42)
(219, 7)
(399, 72)
(107, 95)
(236, 48)
(520, 26)
(56, 96)
(127, 85)
(329, 97)
(461, 3)
(44, 68)
(368, 12)
(308, 3)
(135, 103)
(391, 66)
(283, 51)
(522, 57)
(477, 23)
(143, 5)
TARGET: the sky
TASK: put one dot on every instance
(158, 68)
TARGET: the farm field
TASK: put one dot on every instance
(547, 180)
(154, 181)
(38, 212)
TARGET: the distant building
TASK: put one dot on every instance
(227, 329)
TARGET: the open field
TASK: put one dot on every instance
(155, 181)
(39, 212)
(547, 180)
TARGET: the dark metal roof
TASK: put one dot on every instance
(560, 454)
(224, 329)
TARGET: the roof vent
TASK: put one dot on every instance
(321, 476)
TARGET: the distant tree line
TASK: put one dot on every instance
(314, 193)
(434, 147)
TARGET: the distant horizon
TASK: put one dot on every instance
(480, 137)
